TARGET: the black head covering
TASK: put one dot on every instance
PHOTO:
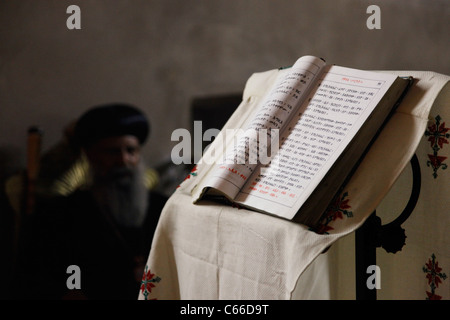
(109, 121)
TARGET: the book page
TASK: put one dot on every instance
(276, 110)
(341, 102)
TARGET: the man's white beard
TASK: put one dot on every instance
(123, 195)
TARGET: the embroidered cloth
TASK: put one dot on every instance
(214, 251)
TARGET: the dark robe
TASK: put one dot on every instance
(73, 231)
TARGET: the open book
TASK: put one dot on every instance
(303, 141)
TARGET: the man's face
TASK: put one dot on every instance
(111, 156)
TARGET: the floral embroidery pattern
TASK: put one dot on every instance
(192, 173)
(148, 282)
(434, 276)
(337, 210)
(438, 135)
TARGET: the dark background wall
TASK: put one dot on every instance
(160, 55)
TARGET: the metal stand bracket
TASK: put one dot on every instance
(391, 237)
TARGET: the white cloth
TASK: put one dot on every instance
(424, 261)
(213, 251)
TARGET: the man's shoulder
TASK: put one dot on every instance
(80, 195)
(157, 199)
(158, 195)
(63, 205)
(75, 199)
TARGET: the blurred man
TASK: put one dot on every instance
(104, 229)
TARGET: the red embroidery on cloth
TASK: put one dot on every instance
(438, 135)
(434, 277)
(148, 282)
(337, 210)
(192, 173)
